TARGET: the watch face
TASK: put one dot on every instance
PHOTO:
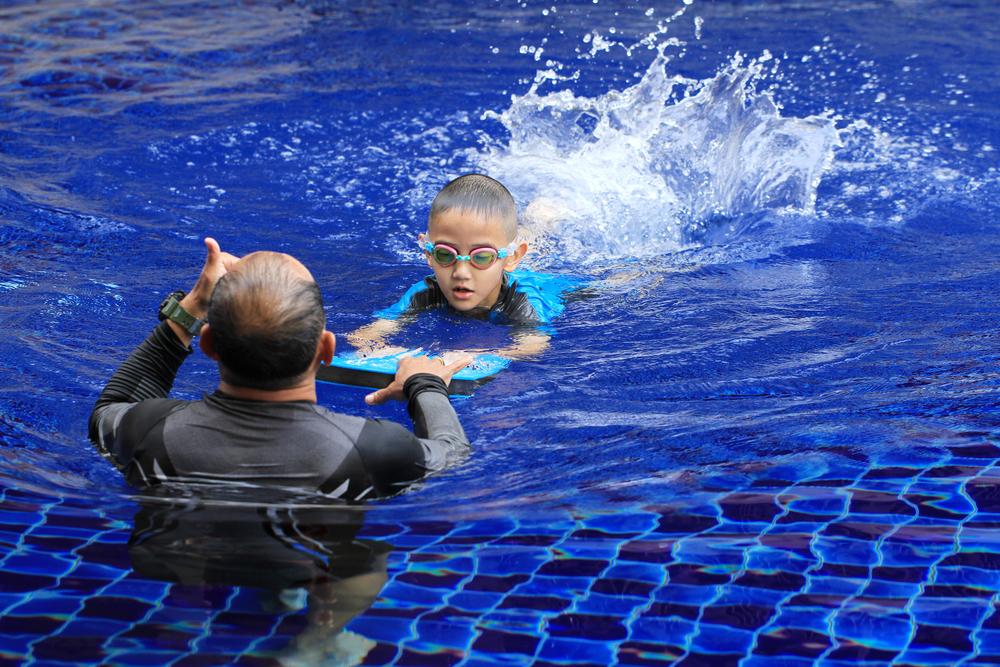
(176, 294)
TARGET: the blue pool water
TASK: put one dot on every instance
(766, 433)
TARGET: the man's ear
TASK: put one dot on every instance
(513, 259)
(207, 343)
(326, 347)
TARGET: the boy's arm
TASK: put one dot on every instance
(371, 338)
(526, 344)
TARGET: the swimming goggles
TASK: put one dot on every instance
(481, 258)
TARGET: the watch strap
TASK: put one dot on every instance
(173, 310)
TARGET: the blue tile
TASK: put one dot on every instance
(989, 641)
(646, 572)
(635, 522)
(47, 602)
(888, 632)
(595, 603)
(712, 638)
(845, 550)
(964, 613)
(564, 587)
(777, 661)
(572, 651)
(765, 597)
(139, 589)
(142, 658)
(99, 572)
(445, 634)
(671, 630)
(834, 586)
(382, 628)
(513, 621)
(684, 594)
(504, 561)
(475, 600)
(811, 618)
(890, 589)
(931, 657)
(418, 595)
(589, 549)
(968, 576)
(37, 563)
(765, 558)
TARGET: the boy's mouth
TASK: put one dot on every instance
(462, 293)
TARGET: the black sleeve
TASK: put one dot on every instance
(394, 457)
(148, 372)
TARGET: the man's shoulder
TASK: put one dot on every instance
(152, 410)
(340, 419)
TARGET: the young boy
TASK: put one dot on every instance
(471, 246)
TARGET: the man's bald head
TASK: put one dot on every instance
(266, 317)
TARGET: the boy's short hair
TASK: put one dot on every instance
(482, 195)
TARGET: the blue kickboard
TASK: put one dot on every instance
(378, 372)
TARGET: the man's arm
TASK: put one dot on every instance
(393, 456)
(148, 372)
(434, 421)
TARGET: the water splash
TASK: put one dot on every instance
(659, 166)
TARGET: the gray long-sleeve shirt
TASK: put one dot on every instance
(297, 444)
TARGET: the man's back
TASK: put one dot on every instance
(296, 444)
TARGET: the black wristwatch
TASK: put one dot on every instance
(171, 309)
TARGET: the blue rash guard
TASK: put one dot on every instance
(526, 298)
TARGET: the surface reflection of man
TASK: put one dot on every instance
(296, 554)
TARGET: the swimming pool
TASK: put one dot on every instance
(766, 434)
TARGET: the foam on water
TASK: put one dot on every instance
(658, 166)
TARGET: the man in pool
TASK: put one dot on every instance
(475, 215)
(266, 330)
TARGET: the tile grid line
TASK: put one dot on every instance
(674, 548)
(835, 643)
(818, 565)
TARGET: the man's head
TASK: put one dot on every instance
(266, 325)
(472, 213)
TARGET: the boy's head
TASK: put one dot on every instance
(471, 232)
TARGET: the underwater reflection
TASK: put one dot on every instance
(297, 556)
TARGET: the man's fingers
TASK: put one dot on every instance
(213, 250)
(380, 396)
(458, 364)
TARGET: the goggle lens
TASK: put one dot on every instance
(444, 255)
(484, 258)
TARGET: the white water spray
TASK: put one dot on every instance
(654, 167)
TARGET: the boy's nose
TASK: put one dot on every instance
(461, 269)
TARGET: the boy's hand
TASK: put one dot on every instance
(410, 366)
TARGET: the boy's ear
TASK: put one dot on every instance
(421, 240)
(512, 260)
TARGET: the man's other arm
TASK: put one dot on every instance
(149, 372)
(395, 457)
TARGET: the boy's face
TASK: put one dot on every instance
(465, 286)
